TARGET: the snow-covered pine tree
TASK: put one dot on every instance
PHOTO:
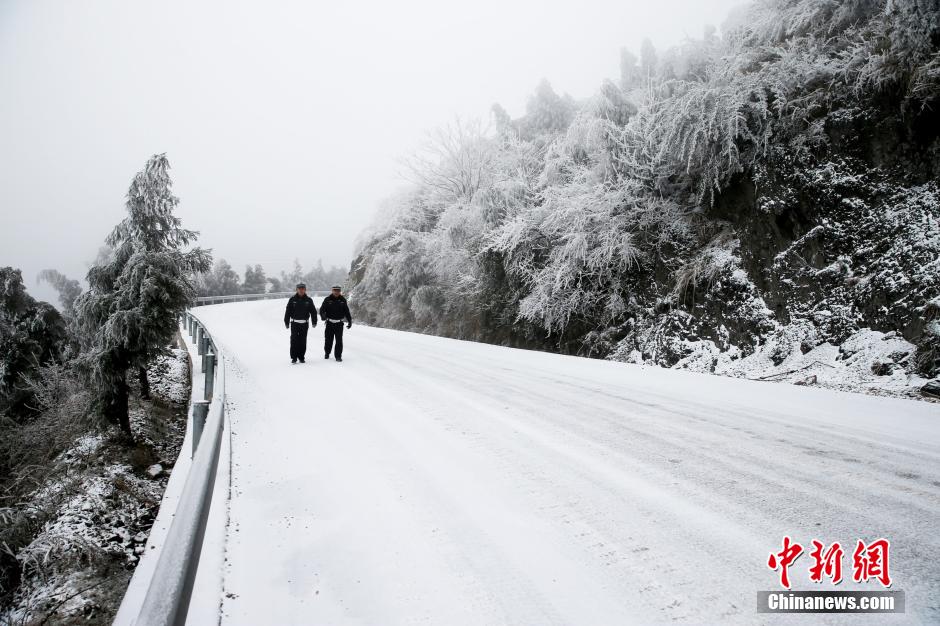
(255, 280)
(69, 289)
(129, 313)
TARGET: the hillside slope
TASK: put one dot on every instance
(749, 204)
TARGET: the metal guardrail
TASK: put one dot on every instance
(247, 297)
(170, 589)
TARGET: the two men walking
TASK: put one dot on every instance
(334, 312)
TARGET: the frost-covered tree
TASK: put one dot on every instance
(453, 160)
(68, 288)
(648, 60)
(276, 285)
(134, 299)
(296, 275)
(316, 278)
(630, 74)
(255, 280)
(547, 111)
(221, 280)
(321, 278)
(32, 334)
(501, 119)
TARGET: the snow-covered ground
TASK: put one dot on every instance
(91, 519)
(427, 480)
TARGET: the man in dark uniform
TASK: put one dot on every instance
(299, 308)
(334, 312)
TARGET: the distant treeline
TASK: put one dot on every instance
(222, 280)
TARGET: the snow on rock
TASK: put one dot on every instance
(868, 361)
(932, 388)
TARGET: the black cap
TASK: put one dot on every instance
(301, 285)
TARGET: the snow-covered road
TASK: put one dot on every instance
(427, 480)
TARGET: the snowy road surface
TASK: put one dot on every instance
(430, 481)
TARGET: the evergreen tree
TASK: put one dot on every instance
(222, 280)
(276, 285)
(316, 278)
(32, 334)
(629, 71)
(69, 289)
(255, 280)
(648, 60)
(130, 311)
(296, 276)
(500, 118)
(547, 111)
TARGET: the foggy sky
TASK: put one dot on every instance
(284, 122)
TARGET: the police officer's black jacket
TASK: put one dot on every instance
(300, 308)
(335, 308)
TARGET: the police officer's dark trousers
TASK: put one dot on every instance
(333, 331)
(298, 340)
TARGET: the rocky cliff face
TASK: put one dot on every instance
(835, 244)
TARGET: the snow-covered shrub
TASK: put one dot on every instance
(897, 50)
(454, 161)
(708, 264)
(781, 21)
(710, 131)
(427, 304)
(28, 449)
(32, 334)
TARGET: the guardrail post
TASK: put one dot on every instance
(192, 327)
(200, 414)
(200, 346)
(208, 366)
